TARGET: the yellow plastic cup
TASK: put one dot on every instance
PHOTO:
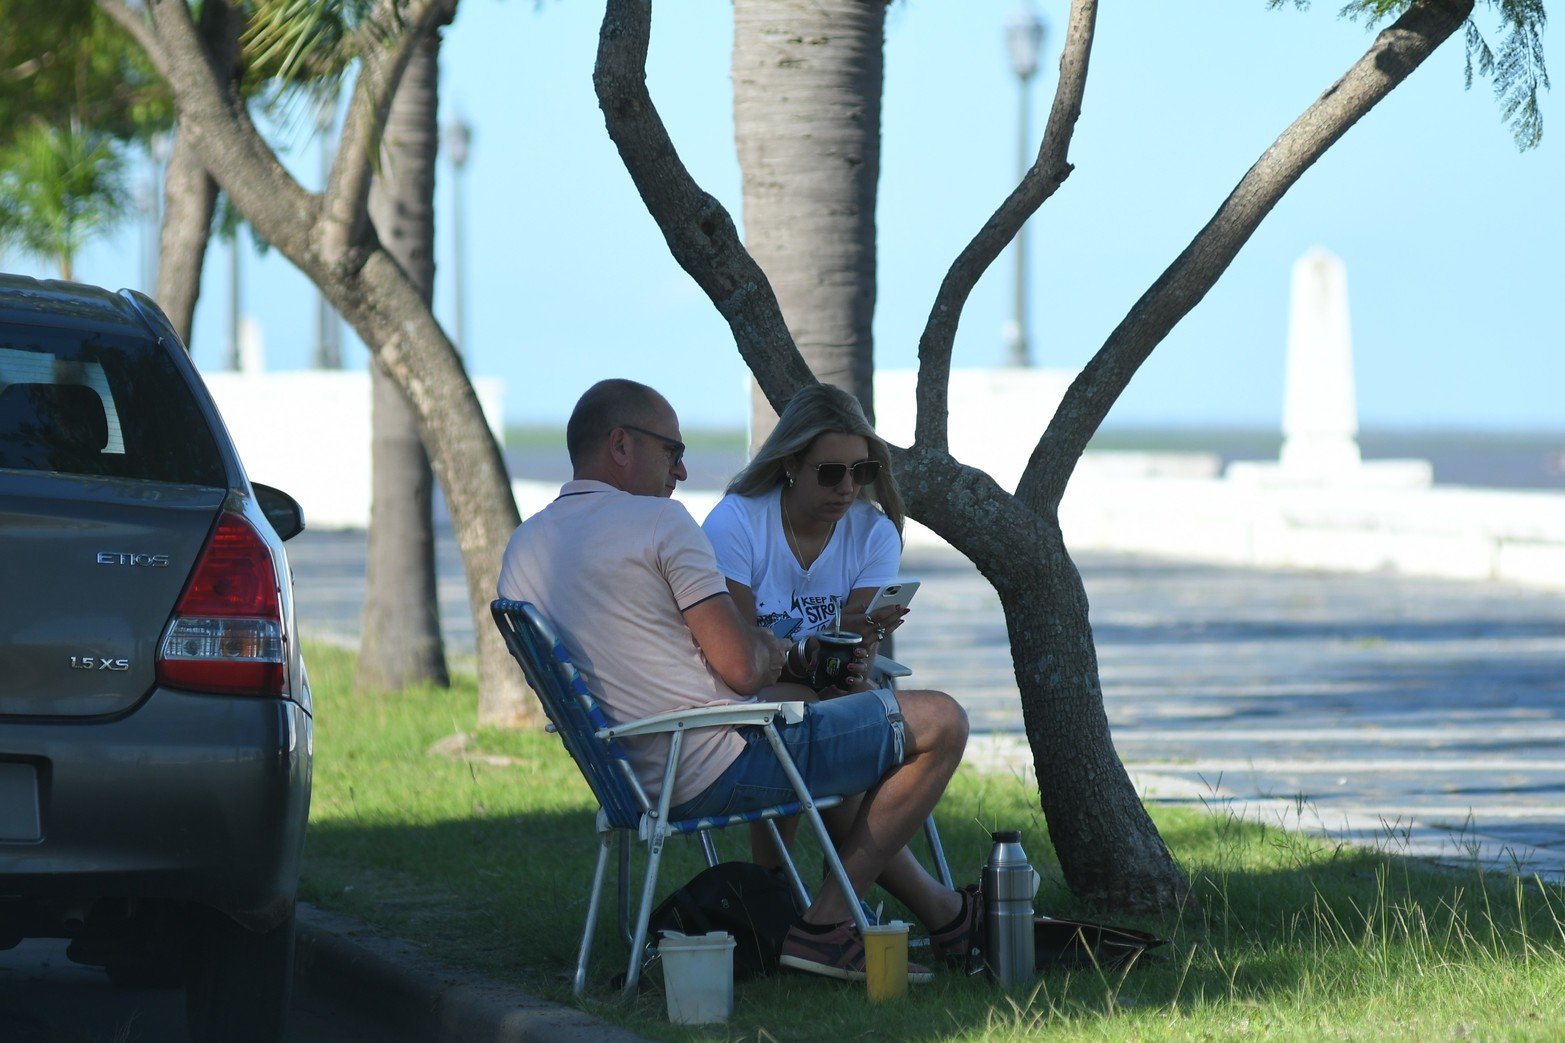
(885, 961)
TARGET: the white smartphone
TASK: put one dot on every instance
(897, 592)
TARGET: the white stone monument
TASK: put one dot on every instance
(1320, 408)
(1320, 413)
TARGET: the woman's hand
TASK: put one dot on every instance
(874, 629)
(855, 676)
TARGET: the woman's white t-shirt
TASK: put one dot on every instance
(752, 549)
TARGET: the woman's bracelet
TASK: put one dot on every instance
(799, 656)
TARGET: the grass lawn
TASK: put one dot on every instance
(485, 860)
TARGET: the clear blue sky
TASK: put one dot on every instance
(1454, 241)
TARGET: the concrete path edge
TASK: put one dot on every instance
(396, 982)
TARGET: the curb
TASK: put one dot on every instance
(397, 983)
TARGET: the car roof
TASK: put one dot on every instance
(54, 302)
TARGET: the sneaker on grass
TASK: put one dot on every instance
(839, 953)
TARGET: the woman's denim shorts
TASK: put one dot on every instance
(843, 745)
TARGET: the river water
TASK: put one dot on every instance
(1483, 459)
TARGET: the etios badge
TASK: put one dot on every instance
(121, 557)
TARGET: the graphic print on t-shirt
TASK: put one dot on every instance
(817, 610)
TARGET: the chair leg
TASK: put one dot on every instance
(708, 847)
(801, 894)
(812, 813)
(624, 886)
(579, 982)
(638, 942)
(937, 852)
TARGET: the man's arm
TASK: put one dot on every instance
(746, 657)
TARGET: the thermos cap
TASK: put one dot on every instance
(1006, 836)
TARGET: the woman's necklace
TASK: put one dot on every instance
(798, 548)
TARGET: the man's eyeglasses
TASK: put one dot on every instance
(864, 472)
(673, 446)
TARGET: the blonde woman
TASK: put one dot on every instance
(813, 525)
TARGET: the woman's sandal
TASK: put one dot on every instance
(961, 946)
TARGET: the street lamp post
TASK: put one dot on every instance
(1023, 39)
(328, 330)
(149, 201)
(146, 196)
(459, 139)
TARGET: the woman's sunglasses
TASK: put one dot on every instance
(864, 472)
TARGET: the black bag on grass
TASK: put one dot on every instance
(1082, 943)
(750, 902)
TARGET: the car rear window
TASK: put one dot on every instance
(92, 403)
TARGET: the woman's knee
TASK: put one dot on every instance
(934, 717)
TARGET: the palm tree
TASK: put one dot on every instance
(807, 78)
(59, 186)
(401, 644)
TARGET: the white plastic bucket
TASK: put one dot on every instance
(698, 976)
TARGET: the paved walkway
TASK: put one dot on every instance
(1423, 716)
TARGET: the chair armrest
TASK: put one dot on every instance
(727, 715)
(887, 667)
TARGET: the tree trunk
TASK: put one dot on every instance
(189, 200)
(190, 195)
(807, 79)
(1110, 852)
(401, 644)
(1109, 849)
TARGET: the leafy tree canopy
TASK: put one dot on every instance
(64, 62)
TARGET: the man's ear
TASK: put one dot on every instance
(619, 446)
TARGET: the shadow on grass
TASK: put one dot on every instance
(506, 895)
(487, 862)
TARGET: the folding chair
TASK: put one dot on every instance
(594, 742)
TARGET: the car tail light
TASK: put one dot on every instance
(227, 631)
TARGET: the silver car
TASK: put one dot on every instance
(155, 729)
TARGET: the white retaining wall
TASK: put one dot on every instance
(1445, 531)
(307, 432)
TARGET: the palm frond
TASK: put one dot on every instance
(303, 41)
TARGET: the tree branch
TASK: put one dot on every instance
(700, 232)
(345, 200)
(1396, 52)
(219, 124)
(1041, 181)
(134, 24)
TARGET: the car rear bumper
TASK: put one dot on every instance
(188, 797)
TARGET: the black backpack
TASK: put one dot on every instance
(750, 902)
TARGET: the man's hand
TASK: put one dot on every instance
(775, 649)
(745, 656)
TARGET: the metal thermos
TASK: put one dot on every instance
(1008, 916)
